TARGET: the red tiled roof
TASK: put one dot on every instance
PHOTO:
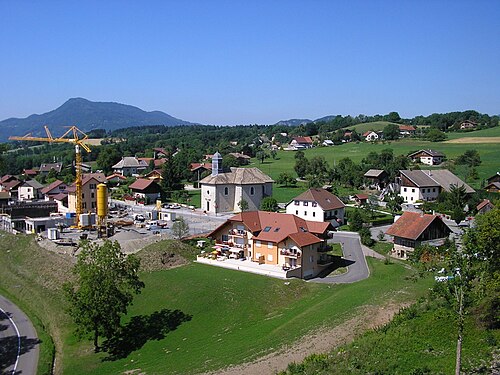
(361, 196)
(408, 128)
(195, 166)
(280, 226)
(411, 225)
(51, 186)
(160, 150)
(116, 175)
(59, 197)
(11, 184)
(141, 184)
(30, 172)
(307, 140)
(159, 162)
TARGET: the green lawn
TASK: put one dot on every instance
(234, 316)
(375, 126)
(491, 132)
(285, 160)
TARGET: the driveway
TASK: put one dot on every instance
(19, 344)
(353, 253)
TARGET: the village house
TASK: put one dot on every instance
(484, 207)
(293, 246)
(413, 229)
(406, 130)
(160, 152)
(89, 192)
(146, 189)
(55, 188)
(47, 167)
(11, 185)
(116, 177)
(318, 205)
(30, 190)
(154, 175)
(198, 169)
(370, 136)
(377, 178)
(129, 166)
(327, 143)
(30, 173)
(223, 191)
(468, 124)
(360, 199)
(425, 185)
(493, 187)
(299, 143)
(494, 178)
(429, 157)
(241, 158)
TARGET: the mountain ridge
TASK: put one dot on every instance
(86, 115)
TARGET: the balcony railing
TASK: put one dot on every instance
(237, 232)
(290, 253)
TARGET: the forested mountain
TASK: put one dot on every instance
(87, 115)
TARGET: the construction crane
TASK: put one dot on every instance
(78, 138)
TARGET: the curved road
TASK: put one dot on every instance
(353, 252)
(18, 341)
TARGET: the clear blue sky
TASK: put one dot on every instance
(242, 62)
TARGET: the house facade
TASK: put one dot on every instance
(285, 241)
(55, 188)
(89, 192)
(47, 167)
(484, 207)
(318, 205)
(406, 130)
(370, 136)
(301, 142)
(223, 191)
(129, 166)
(428, 157)
(467, 125)
(425, 185)
(146, 189)
(413, 229)
(377, 178)
(30, 190)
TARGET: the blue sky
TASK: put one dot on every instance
(242, 62)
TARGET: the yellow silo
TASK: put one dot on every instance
(102, 202)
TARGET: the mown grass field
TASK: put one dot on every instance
(285, 160)
(235, 317)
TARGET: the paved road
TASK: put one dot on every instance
(353, 252)
(18, 341)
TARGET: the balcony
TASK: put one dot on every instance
(290, 253)
(237, 232)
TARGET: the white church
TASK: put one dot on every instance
(222, 191)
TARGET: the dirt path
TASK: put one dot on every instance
(320, 341)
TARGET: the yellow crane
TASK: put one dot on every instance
(78, 138)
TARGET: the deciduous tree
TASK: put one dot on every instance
(106, 281)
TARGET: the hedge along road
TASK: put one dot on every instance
(357, 269)
(19, 344)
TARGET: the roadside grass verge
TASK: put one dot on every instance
(31, 278)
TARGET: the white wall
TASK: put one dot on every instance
(413, 194)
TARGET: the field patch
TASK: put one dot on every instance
(474, 140)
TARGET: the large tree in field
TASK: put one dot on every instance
(106, 281)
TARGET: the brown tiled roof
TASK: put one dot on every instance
(484, 203)
(428, 152)
(238, 176)
(160, 150)
(361, 196)
(6, 178)
(408, 128)
(11, 184)
(411, 225)
(51, 186)
(141, 184)
(46, 167)
(325, 199)
(319, 227)
(195, 166)
(495, 184)
(159, 162)
(59, 197)
(100, 177)
(304, 238)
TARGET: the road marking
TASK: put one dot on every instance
(18, 340)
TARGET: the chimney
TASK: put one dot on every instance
(216, 164)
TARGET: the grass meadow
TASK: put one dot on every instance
(285, 160)
(230, 317)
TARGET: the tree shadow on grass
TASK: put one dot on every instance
(141, 329)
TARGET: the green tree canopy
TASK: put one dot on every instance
(391, 131)
(269, 204)
(105, 286)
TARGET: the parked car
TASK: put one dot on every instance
(151, 224)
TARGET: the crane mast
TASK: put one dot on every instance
(77, 137)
